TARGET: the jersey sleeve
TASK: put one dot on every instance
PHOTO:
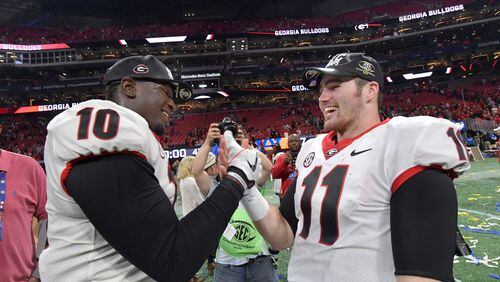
(98, 128)
(417, 143)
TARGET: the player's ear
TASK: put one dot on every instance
(372, 91)
(128, 87)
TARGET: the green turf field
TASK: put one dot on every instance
(479, 209)
(479, 218)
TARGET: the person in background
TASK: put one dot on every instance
(191, 195)
(284, 167)
(242, 254)
(22, 198)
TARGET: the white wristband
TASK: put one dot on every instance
(255, 204)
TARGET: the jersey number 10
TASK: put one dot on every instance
(105, 125)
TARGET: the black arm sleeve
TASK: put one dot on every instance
(122, 198)
(287, 207)
(423, 226)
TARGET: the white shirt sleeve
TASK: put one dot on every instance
(417, 143)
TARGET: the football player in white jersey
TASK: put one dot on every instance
(110, 198)
(379, 204)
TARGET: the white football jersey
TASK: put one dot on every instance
(77, 252)
(343, 192)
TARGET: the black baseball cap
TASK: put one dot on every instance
(148, 68)
(346, 65)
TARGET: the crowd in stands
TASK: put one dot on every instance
(275, 117)
(24, 134)
(29, 35)
(474, 101)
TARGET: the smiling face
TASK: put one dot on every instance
(151, 100)
(340, 102)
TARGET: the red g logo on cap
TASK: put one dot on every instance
(141, 69)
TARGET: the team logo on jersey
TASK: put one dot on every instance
(141, 69)
(366, 68)
(331, 152)
(309, 159)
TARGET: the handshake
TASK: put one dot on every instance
(244, 165)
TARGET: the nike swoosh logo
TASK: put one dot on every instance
(354, 153)
(253, 166)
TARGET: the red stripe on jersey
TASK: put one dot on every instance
(329, 144)
(72, 163)
(405, 175)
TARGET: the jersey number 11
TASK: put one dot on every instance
(333, 181)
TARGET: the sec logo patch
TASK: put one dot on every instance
(309, 159)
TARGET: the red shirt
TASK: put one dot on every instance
(285, 172)
(25, 198)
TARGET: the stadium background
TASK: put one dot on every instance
(245, 59)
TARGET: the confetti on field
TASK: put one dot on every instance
(493, 263)
(485, 225)
(473, 243)
(472, 199)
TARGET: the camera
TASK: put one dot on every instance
(227, 124)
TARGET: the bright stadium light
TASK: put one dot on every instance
(409, 76)
(202, 97)
(122, 42)
(166, 39)
(223, 93)
(448, 70)
(389, 79)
